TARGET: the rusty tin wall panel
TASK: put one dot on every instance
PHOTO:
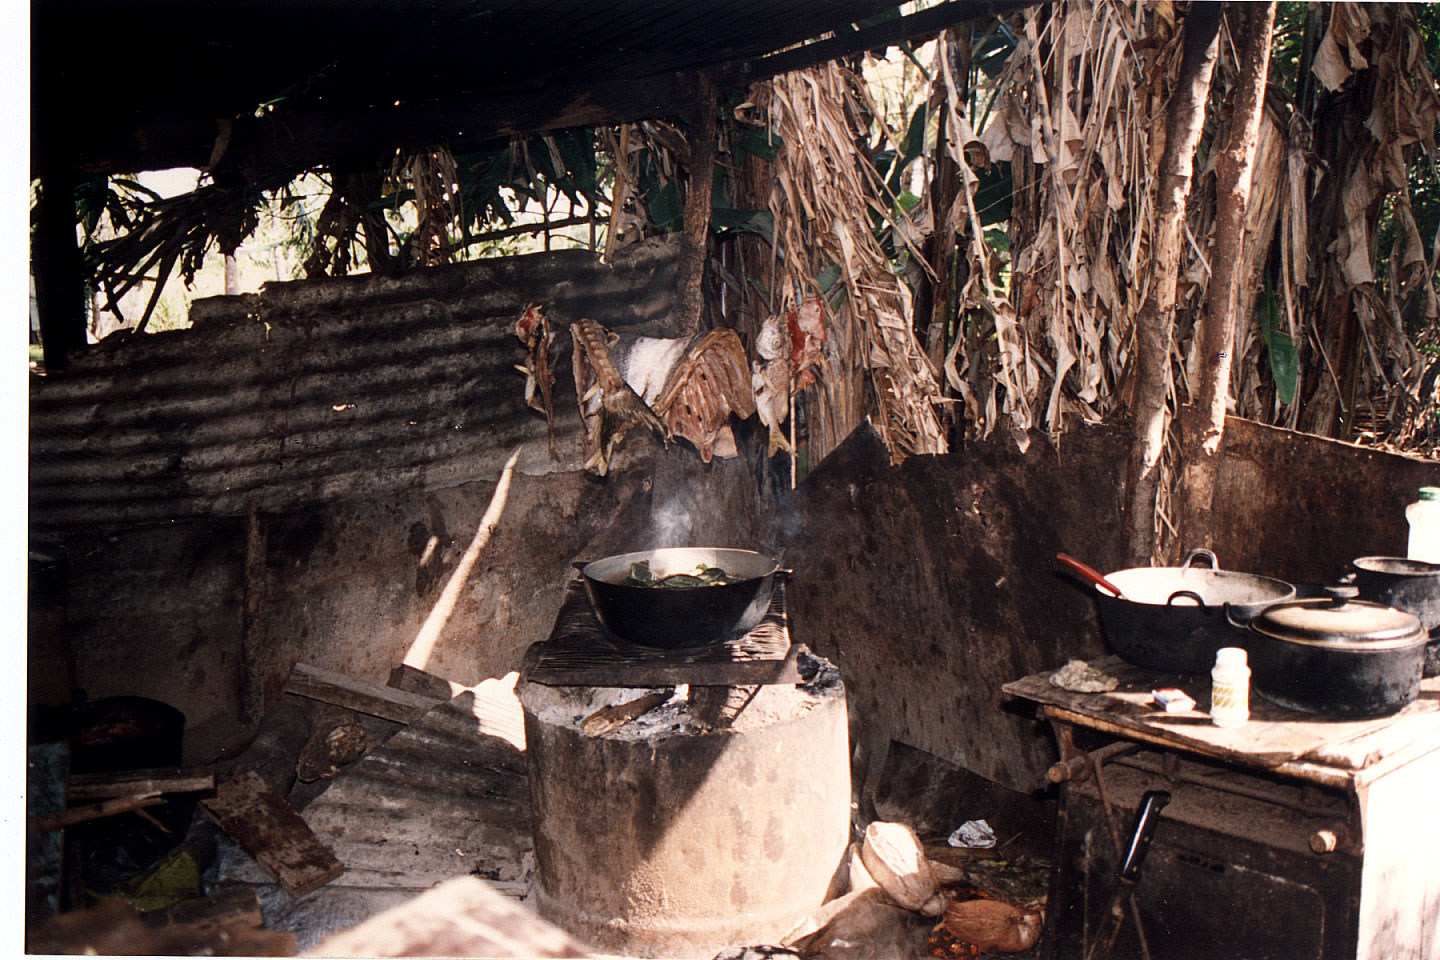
(321, 390)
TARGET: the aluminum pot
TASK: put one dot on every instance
(1336, 656)
(676, 617)
(1173, 619)
(1409, 585)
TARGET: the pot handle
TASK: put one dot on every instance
(1201, 553)
(1341, 593)
(1187, 595)
(580, 564)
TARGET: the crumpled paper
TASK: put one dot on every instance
(976, 834)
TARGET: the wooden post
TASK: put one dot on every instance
(252, 670)
(59, 273)
(690, 275)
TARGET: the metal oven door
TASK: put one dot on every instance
(1231, 874)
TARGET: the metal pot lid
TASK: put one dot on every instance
(1397, 566)
(1340, 623)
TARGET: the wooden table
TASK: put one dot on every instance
(1389, 766)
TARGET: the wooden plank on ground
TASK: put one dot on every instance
(439, 799)
(461, 917)
(494, 702)
(362, 696)
(270, 830)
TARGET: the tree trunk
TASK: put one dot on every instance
(361, 189)
(1203, 426)
(933, 306)
(1154, 326)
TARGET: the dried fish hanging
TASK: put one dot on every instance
(825, 192)
(703, 389)
(1073, 120)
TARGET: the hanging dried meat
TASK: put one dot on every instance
(533, 329)
(712, 382)
(770, 381)
(791, 356)
(609, 407)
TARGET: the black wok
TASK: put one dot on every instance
(677, 617)
(1173, 619)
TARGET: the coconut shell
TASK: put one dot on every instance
(894, 857)
(993, 926)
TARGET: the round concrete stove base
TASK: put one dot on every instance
(667, 838)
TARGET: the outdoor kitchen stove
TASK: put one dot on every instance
(1293, 836)
(682, 800)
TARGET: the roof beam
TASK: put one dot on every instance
(278, 146)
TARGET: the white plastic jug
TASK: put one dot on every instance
(1424, 517)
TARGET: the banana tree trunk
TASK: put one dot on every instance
(1203, 426)
(1155, 324)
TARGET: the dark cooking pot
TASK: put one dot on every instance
(1337, 656)
(675, 617)
(1409, 585)
(1173, 619)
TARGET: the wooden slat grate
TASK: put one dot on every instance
(580, 651)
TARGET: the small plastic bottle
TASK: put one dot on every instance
(1424, 517)
(1230, 688)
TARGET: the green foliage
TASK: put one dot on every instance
(1284, 359)
(764, 145)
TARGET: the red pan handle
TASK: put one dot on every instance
(1089, 573)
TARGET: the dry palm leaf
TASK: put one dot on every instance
(824, 194)
(1388, 109)
(1074, 121)
(609, 406)
(432, 175)
(709, 384)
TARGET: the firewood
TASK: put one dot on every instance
(129, 783)
(362, 696)
(95, 811)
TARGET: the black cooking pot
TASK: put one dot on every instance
(1336, 656)
(1173, 619)
(675, 617)
(1409, 585)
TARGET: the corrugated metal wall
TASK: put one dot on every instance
(319, 390)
